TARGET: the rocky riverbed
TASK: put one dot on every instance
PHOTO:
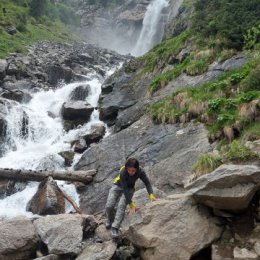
(166, 152)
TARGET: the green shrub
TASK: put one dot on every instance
(206, 163)
(236, 78)
(38, 8)
(226, 19)
(253, 80)
(239, 152)
(252, 37)
(251, 133)
(226, 118)
(248, 96)
(197, 67)
(214, 105)
(163, 51)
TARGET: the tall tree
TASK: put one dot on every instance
(38, 8)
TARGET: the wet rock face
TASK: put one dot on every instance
(161, 229)
(18, 239)
(80, 93)
(48, 199)
(97, 132)
(17, 95)
(56, 72)
(76, 110)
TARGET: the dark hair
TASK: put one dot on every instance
(132, 162)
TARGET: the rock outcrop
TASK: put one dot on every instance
(76, 110)
(167, 156)
(229, 187)
(165, 229)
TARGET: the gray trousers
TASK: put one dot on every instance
(116, 194)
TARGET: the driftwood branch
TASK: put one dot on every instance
(29, 175)
(70, 200)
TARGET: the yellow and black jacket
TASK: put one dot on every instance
(127, 183)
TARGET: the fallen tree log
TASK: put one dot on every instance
(29, 175)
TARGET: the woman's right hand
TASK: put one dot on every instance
(132, 211)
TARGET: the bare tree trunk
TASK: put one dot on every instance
(29, 175)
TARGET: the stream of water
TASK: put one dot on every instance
(45, 138)
(151, 32)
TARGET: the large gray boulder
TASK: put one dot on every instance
(17, 95)
(97, 131)
(98, 251)
(57, 72)
(62, 234)
(48, 200)
(80, 93)
(18, 239)
(167, 158)
(76, 110)
(229, 187)
(172, 229)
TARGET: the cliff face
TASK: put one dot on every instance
(119, 28)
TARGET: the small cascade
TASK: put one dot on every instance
(152, 30)
(34, 139)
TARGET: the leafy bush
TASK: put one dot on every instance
(236, 78)
(206, 163)
(215, 104)
(197, 67)
(248, 96)
(38, 8)
(21, 21)
(252, 37)
(253, 80)
(163, 51)
(251, 133)
(239, 152)
(227, 19)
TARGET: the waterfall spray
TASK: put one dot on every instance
(151, 32)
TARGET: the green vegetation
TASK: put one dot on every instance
(251, 132)
(235, 152)
(238, 152)
(206, 163)
(227, 19)
(233, 100)
(48, 23)
(161, 53)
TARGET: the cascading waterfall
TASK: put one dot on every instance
(37, 147)
(151, 32)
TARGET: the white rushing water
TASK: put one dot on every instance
(44, 140)
(151, 32)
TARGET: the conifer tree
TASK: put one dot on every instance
(38, 8)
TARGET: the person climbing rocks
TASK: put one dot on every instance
(123, 191)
